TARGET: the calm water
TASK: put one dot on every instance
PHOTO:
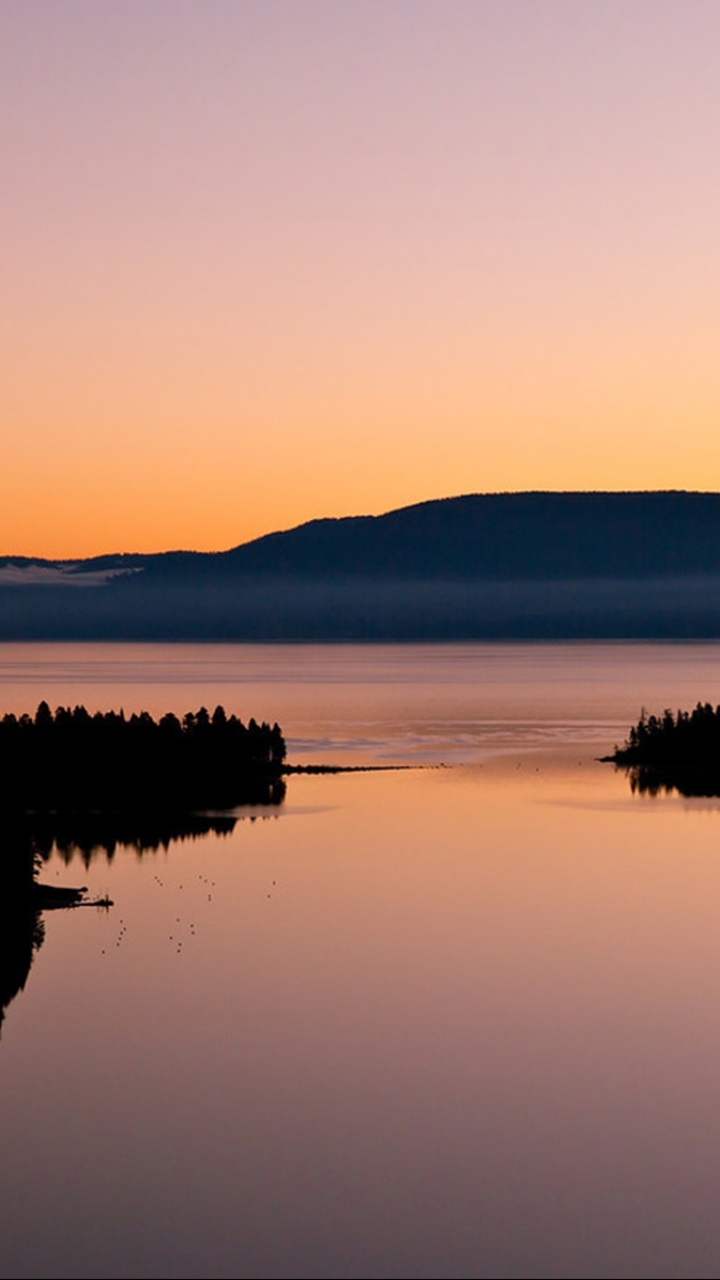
(438, 1022)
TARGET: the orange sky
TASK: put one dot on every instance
(262, 262)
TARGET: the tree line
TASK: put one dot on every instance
(686, 740)
(73, 760)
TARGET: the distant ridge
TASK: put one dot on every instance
(504, 536)
(495, 536)
(481, 565)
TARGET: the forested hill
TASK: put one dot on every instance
(495, 566)
(492, 537)
(506, 536)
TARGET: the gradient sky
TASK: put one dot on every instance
(264, 260)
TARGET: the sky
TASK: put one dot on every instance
(268, 260)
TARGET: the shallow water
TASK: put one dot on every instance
(442, 1022)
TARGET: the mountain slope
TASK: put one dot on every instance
(506, 536)
(491, 566)
(498, 537)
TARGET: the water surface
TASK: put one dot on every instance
(442, 1022)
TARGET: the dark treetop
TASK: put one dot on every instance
(74, 761)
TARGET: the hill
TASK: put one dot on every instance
(477, 566)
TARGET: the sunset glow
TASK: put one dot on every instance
(263, 263)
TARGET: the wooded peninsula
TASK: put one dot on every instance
(74, 761)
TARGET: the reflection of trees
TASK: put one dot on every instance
(94, 834)
(21, 930)
(647, 780)
(28, 840)
(21, 934)
(90, 835)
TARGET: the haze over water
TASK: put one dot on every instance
(455, 1022)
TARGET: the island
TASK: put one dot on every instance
(678, 751)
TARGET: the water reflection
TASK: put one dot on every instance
(21, 930)
(692, 784)
(22, 901)
(93, 835)
(28, 841)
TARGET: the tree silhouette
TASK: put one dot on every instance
(73, 760)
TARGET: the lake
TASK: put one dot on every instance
(457, 1019)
